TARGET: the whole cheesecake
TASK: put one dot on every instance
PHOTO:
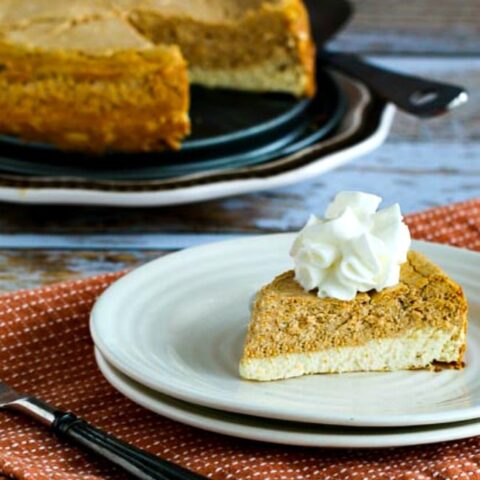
(421, 322)
(96, 75)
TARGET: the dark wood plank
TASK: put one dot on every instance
(422, 26)
(418, 175)
(33, 268)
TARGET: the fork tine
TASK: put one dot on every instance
(8, 395)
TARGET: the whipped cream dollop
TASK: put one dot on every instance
(355, 248)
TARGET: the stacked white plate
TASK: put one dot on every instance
(169, 337)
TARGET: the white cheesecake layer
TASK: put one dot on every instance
(418, 349)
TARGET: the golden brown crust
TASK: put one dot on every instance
(287, 319)
(126, 101)
(300, 29)
(440, 366)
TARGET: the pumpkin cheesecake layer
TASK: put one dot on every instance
(418, 323)
(128, 101)
(92, 86)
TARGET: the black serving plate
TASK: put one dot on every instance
(230, 130)
(220, 119)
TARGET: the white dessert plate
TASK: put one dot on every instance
(277, 431)
(177, 325)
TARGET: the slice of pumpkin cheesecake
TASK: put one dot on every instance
(358, 300)
(421, 322)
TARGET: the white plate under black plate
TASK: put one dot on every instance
(276, 431)
(177, 326)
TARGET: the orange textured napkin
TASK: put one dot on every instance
(45, 349)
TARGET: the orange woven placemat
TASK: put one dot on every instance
(45, 349)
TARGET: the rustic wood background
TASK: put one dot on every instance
(424, 163)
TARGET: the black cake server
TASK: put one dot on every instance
(415, 95)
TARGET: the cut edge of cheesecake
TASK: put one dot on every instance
(407, 353)
(265, 46)
(294, 333)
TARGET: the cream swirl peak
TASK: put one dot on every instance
(355, 248)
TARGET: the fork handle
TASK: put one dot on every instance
(137, 462)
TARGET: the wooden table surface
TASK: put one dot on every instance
(423, 163)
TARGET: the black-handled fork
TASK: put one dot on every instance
(138, 463)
